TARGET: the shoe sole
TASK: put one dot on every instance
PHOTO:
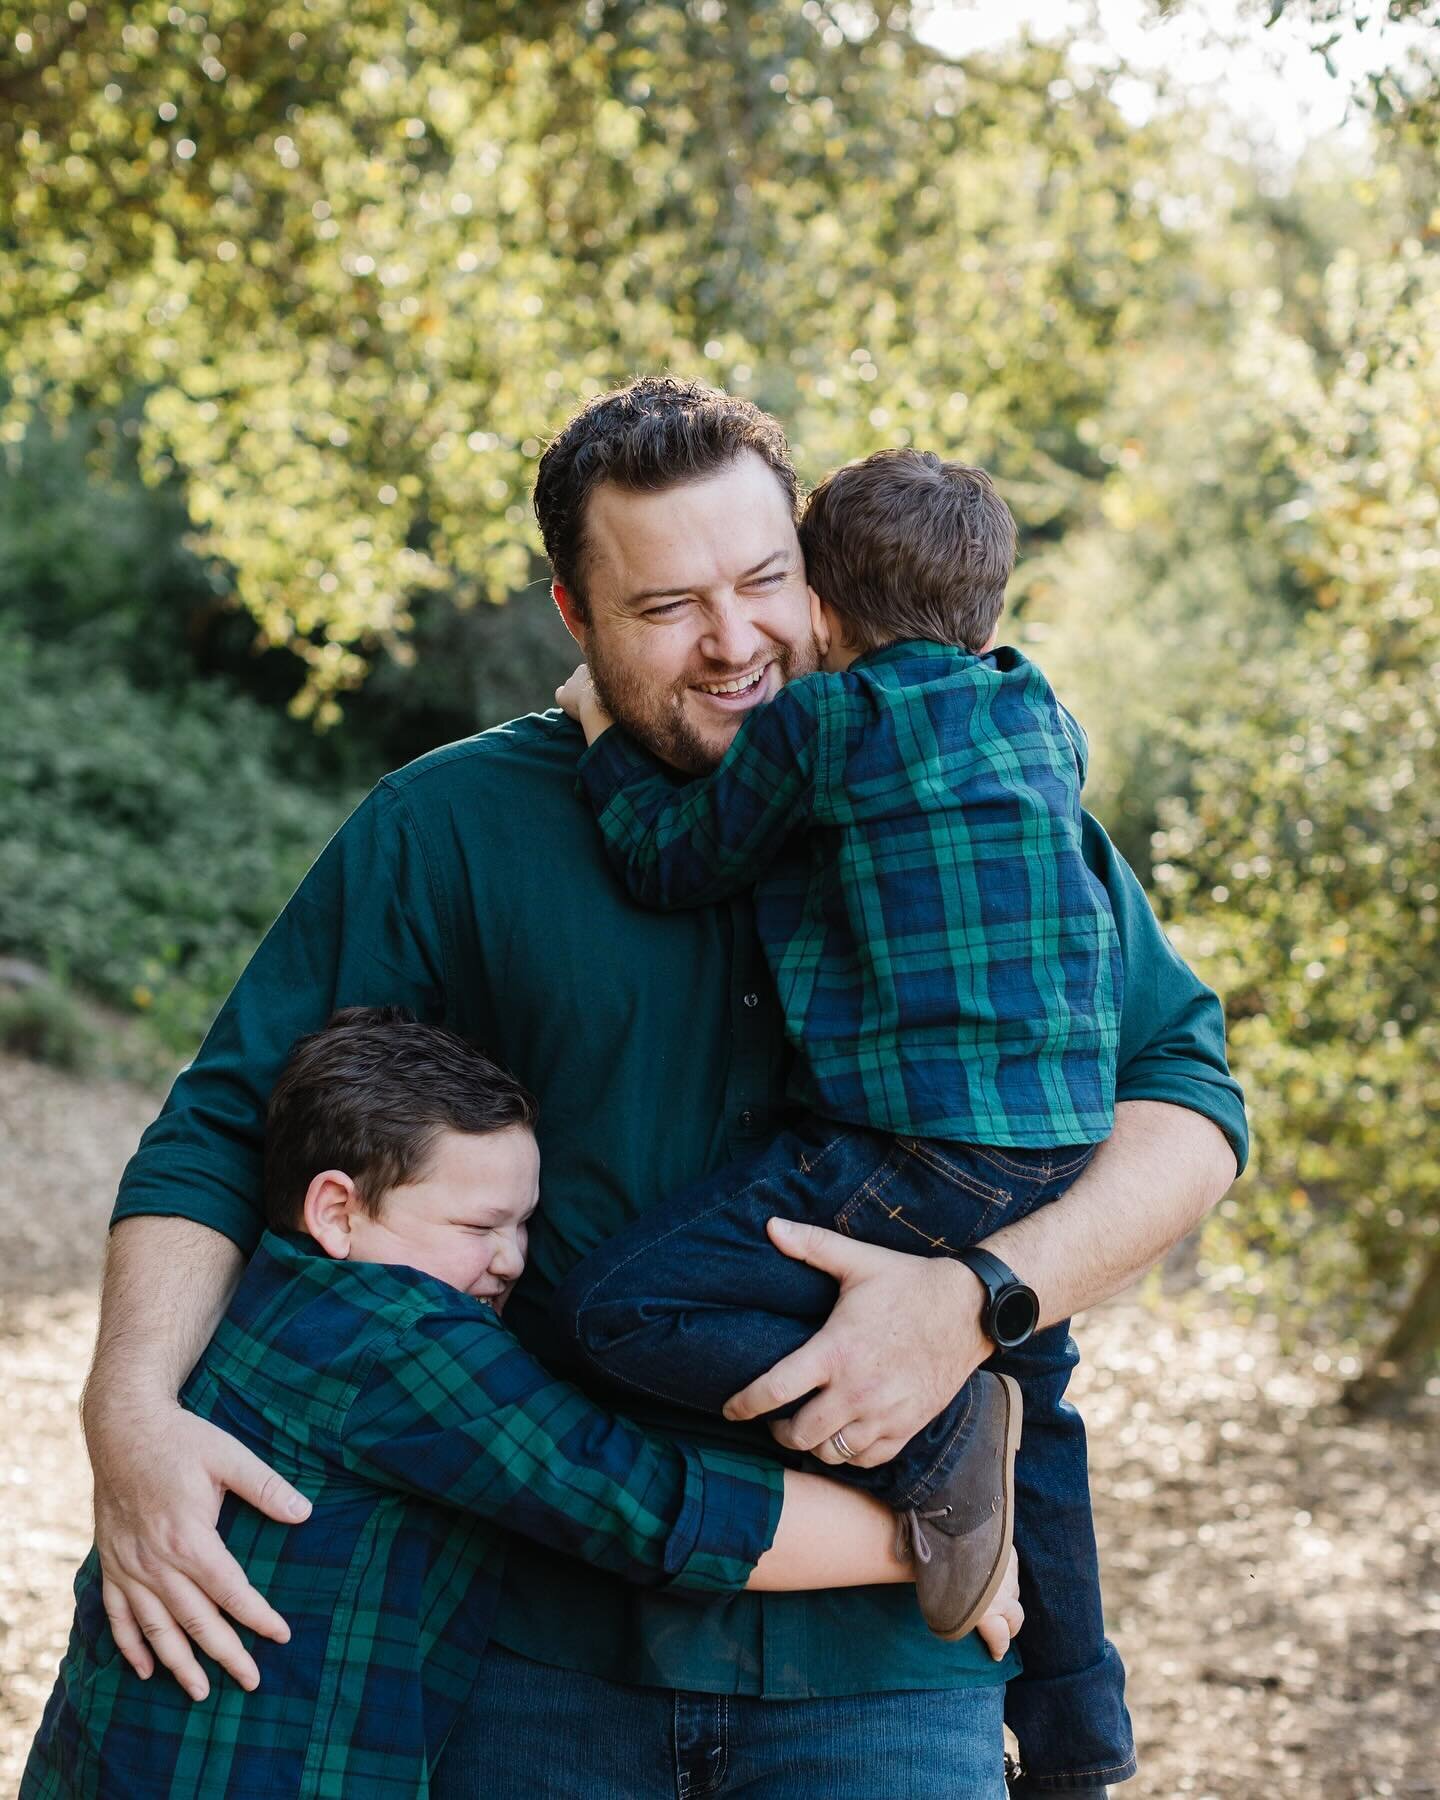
(1014, 1420)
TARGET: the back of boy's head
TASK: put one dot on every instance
(369, 1095)
(906, 545)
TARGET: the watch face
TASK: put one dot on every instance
(1014, 1316)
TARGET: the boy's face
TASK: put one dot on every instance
(463, 1221)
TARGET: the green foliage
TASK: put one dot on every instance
(324, 275)
(360, 258)
(146, 839)
(1304, 872)
(47, 1024)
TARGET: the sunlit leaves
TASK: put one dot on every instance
(362, 259)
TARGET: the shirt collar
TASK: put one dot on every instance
(911, 650)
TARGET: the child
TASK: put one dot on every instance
(950, 979)
(364, 1358)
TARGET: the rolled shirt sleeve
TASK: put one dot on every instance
(1172, 1027)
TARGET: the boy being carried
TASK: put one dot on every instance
(950, 979)
(363, 1357)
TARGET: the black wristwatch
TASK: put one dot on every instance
(1012, 1310)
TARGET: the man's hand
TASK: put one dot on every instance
(904, 1337)
(160, 1476)
(577, 697)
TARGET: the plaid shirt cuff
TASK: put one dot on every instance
(731, 1509)
(611, 761)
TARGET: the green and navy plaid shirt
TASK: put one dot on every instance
(947, 965)
(418, 1426)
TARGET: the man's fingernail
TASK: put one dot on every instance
(299, 1508)
(782, 1226)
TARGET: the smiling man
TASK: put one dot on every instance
(471, 887)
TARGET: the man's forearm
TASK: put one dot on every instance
(1150, 1182)
(167, 1283)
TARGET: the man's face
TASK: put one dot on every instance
(698, 608)
(464, 1220)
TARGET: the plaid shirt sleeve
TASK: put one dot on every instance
(454, 1409)
(706, 840)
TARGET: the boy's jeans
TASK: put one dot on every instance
(692, 1302)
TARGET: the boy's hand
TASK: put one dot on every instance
(577, 697)
(902, 1340)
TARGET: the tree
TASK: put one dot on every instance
(357, 258)
(1304, 870)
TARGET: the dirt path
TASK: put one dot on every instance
(1272, 1573)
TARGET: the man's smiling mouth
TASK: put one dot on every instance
(741, 684)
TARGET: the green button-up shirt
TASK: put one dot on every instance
(472, 888)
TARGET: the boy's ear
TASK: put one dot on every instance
(569, 612)
(331, 1204)
(819, 623)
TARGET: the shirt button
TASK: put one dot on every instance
(747, 1118)
(752, 999)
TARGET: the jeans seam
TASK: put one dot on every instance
(923, 1481)
(870, 1189)
(1080, 1777)
(988, 1195)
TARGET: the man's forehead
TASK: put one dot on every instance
(694, 535)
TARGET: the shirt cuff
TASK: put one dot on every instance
(609, 763)
(1221, 1105)
(730, 1513)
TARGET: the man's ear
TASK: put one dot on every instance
(331, 1204)
(569, 612)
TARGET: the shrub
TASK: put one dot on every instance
(147, 839)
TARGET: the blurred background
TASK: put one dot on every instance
(290, 299)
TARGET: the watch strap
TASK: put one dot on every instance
(994, 1275)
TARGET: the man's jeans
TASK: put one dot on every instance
(692, 1302)
(532, 1732)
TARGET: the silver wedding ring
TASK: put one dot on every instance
(841, 1448)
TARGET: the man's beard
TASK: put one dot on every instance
(658, 717)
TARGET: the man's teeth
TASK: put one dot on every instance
(731, 687)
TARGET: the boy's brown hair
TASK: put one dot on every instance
(907, 545)
(369, 1095)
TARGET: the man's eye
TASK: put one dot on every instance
(670, 606)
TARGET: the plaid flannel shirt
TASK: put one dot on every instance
(947, 965)
(419, 1428)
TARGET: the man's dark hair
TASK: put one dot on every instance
(369, 1095)
(657, 433)
(906, 545)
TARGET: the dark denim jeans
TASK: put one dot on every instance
(692, 1302)
(532, 1732)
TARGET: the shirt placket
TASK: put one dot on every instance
(755, 1083)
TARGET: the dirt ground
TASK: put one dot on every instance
(1272, 1571)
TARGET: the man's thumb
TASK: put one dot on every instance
(813, 1244)
(269, 1493)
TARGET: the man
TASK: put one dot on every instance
(471, 887)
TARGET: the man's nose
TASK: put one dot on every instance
(730, 635)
